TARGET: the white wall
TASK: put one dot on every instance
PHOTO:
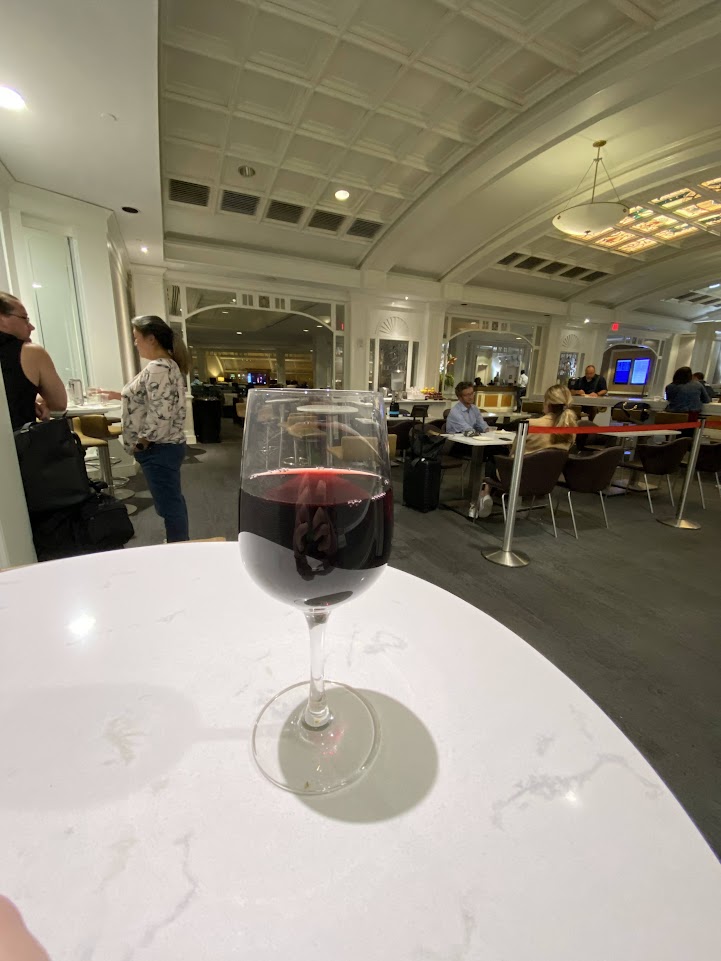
(88, 225)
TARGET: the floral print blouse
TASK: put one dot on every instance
(154, 405)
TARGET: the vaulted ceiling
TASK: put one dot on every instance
(459, 127)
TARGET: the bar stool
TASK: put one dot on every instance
(94, 431)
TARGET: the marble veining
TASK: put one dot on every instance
(505, 819)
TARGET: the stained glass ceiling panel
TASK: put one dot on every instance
(713, 221)
(676, 232)
(695, 210)
(635, 214)
(636, 246)
(714, 184)
(675, 198)
(649, 226)
(614, 239)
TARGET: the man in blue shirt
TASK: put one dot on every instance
(465, 415)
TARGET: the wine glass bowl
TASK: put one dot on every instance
(315, 530)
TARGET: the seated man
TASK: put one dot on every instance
(591, 385)
(464, 418)
(464, 415)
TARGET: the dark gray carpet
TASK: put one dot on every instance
(629, 614)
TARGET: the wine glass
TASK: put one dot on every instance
(315, 529)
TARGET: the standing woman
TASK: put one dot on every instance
(153, 419)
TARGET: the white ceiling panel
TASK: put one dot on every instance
(298, 188)
(315, 155)
(297, 51)
(590, 25)
(386, 133)
(269, 96)
(193, 163)
(361, 168)
(522, 73)
(218, 28)
(256, 141)
(405, 24)
(419, 95)
(201, 77)
(189, 122)
(360, 73)
(230, 177)
(332, 118)
(461, 47)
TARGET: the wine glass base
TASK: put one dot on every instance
(306, 761)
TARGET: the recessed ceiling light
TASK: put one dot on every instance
(519, 338)
(406, 298)
(37, 286)
(239, 331)
(10, 99)
(342, 195)
(305, 330)
(130, 210)
(143, 250)
(233, 301)
(246, 171)
(587, 320)
(319, 327)
(224, 311)
(711, 286)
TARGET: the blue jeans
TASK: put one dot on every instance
(161, 466)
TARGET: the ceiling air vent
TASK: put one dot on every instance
(235, 203)
(553, 267)
(530, 262)
(509, 258)
(364, 228)
(287, 213)
(324, 220)
(594, 275)
(574, 272)
(184, 192)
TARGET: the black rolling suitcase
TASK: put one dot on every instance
(422, 484)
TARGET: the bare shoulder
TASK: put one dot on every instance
(34, 351)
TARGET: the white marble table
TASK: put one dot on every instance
(113, 407)
(505, 819)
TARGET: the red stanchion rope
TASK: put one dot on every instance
(624, 429)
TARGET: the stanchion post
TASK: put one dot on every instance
(506, 557)
(679, 520)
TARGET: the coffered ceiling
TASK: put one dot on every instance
(457, 126)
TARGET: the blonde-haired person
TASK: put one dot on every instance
(153, 419)
(557, 412)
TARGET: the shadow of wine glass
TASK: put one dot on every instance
(402, 774)
(87, 744)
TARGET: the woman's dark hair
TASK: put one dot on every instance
(682, 376)
(150, 325)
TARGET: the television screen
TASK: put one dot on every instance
(623, 369)
(639, 373)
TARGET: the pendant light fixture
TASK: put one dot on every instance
(586, 220)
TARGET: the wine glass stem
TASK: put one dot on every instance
(317, 713)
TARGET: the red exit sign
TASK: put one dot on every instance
(615, 326)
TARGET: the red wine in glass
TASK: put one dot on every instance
(315, 537)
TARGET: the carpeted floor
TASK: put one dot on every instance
(631, 615)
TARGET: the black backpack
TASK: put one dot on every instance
(52, 465)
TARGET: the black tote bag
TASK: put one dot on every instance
(52, 466)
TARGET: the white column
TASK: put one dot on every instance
(429, 372)
(357, 339)
(280, 366)
(149, 290)
(703, 347)
(546, 372)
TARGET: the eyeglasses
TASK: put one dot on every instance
(21, 316)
